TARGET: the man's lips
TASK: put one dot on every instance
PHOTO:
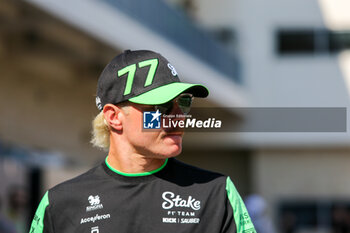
(173, 129)
(173, 133)
(177, 138)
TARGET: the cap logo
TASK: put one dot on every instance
(131, 70)
(172, 68)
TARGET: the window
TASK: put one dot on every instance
(323, 215)
(311, 41)
(296, 41)
(339, 41)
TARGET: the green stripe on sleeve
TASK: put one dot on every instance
(240, 213)
(38, 220)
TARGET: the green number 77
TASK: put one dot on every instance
(131, 70)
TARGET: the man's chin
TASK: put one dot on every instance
(173, 150)
(174, 153)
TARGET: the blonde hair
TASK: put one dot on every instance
(101, 129)
(100, 132)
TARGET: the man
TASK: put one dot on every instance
(140, 187)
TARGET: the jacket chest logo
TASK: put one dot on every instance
(186, 211)
(95, 203)
(171, 200)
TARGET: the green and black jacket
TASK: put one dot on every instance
(174, 198)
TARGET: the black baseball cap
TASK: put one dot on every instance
(142, 77)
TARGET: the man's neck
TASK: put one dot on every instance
(133, 162)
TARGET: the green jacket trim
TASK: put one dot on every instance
(38, 220)
(240, 213)
(136, 174)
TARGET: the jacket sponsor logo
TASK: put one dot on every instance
(95, 218)
(94, 203)
(95, 230)
(94, 200)
(170, 201)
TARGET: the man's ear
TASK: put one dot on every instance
(113, 116)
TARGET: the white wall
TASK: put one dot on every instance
(314, 174)
(288, 81)
(272, 80)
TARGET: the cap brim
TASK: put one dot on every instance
(163, 94)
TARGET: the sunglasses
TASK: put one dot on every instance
(184, 102)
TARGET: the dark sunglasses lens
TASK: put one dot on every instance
(184, 103)
(165, 108)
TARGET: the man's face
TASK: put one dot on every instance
(162, 143)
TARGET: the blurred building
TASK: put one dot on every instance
(293, 54)
(249, 54)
